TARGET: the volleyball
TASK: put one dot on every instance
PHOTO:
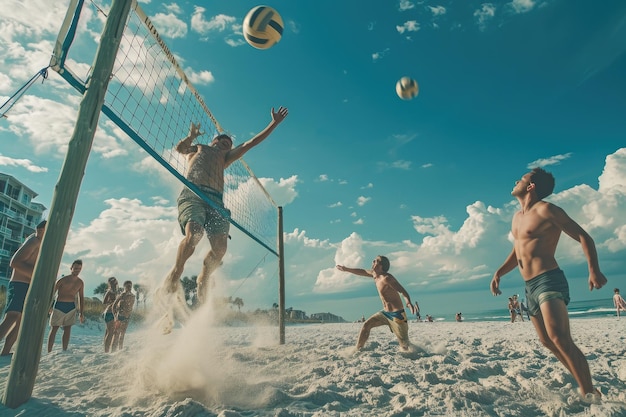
(407, 88)
(262, 27)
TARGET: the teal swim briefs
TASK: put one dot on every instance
(547, 286)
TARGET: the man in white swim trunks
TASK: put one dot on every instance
(64, 310)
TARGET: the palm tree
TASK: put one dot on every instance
(101, 289)
(238, 302)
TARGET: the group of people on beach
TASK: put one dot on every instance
(118, 307)
(536, 229)
(68, 300)
(69, 291)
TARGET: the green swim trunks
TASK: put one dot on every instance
(193, 208)
(547, 286)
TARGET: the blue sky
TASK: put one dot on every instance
(504, 86)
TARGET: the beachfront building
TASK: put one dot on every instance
(19, 216)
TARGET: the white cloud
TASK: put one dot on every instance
(405, 5)
(361, 201)
(380, 55)
(408, 26)
(169, 25)
(553, 160)
(24, 163)
(522, 6)
(437, 10)
(199, 78)
(50, 131)
(484, 14)
(613, 177)
(173, 8)
(218, 23)
(282, 192)
(400, 164)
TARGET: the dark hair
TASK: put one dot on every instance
(616, 290)
(544, 182)
(42, 224)
(128, 283)
(384, 262)
(223, 135)
(77, 261)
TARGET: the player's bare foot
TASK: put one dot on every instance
(593, 397)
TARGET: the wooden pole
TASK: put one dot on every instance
(281, 278)
(25, 363)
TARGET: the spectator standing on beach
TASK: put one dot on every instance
(109, 318)
(64, 309)
(122, 309)
(618, 302)
(536, 229)
(459, 317)
(524, 309)
(515, 309)
(23, 264)
(417, 312)
(389, 290)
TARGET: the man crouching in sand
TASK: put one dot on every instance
(389, 289)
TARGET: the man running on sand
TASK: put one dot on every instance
(389, 290)
(536, 229)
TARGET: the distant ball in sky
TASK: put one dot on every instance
(262, 27)
(407, 88)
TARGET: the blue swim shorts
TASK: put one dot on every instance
(547, 286)
(16, 295)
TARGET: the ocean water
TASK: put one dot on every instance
(577, 309)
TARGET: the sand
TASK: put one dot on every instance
(455, 369)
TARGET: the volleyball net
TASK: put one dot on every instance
(153, 101)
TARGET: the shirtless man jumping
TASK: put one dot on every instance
(389, 290)
(206, 165)
(536, 229)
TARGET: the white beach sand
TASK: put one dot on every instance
(458, 369)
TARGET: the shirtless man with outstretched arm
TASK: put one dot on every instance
(536, 229)
(206, 165)
(389, 290)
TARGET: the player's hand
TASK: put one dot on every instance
(194, 130)
(411, 307)
(279, 116)
(596, 280)
(495, 285)
(341, 267)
